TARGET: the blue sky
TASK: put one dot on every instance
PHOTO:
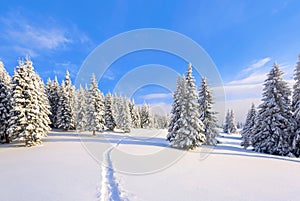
(243, 38)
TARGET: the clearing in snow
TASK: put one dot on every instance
(141, 166)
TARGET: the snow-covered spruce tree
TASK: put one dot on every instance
(126, 116)
(64, 116)
(135, 116)
(296, 110)
(109, 119)
(54, 99)
(232, 123)
(95, 108)
(52, 91)
(175, 111)
(145, 116)
(274, 123)
(226, 124)
(80, 108)
(207, 115)
(29, 113)
(70, 89)
(248, 127)
(190, 133)
(5, 93)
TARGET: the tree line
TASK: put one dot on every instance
(274, 127)
(28, 108)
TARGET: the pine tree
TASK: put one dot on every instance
(118, 111)
(80, 106)
(190, 133)
(207, 116)
(126, 116)
(145, 116)
(95, 108)
(135, 116)
(109, 119)
(43, 105)
(274, 123)
(29, 113)
(65, 119)
(5, 93)
(175, 112)
(232, 123)
(248, 127)
(55, 95)
(69, 90)
(226, 125)
(296, 109)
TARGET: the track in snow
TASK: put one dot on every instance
(110, 188)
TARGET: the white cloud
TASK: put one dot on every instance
(258, 64)
(157, 96)
(25, 51)
(258, 77)
(28, 35)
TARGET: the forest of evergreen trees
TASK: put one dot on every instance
(274, 127)
(28, 109)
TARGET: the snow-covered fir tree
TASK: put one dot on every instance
(80, 108)
(274, 124)
(29, 113)
(175, 111)
(207, 115)
(109, 118)
(43, 106)
(126, 116)
(64, 116)
(296, 110)
(191, 132)
(248, 127)
(52, 91)
(226, 128)
(160, 121)
(95, 108)
(70, 89)
(145, 116)
(232, 123)
(135, 116)
(5, 107)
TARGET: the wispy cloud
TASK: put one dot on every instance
(29, 36)
(258, 64)
(157, 96)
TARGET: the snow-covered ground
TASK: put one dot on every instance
(78, 167)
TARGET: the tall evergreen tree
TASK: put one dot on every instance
(296, 109)
(80, 106)
(5, 93)
(145, 116)
(28, 116)
(135, 116)
(190, 133)
(65, 119)
(248, 127)
(175, 112)
(274, 123)
(69, 90)
(109, 119)
(226, 125)
(126, 116)
(96, 108)
(232, 123)
(207, 115)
